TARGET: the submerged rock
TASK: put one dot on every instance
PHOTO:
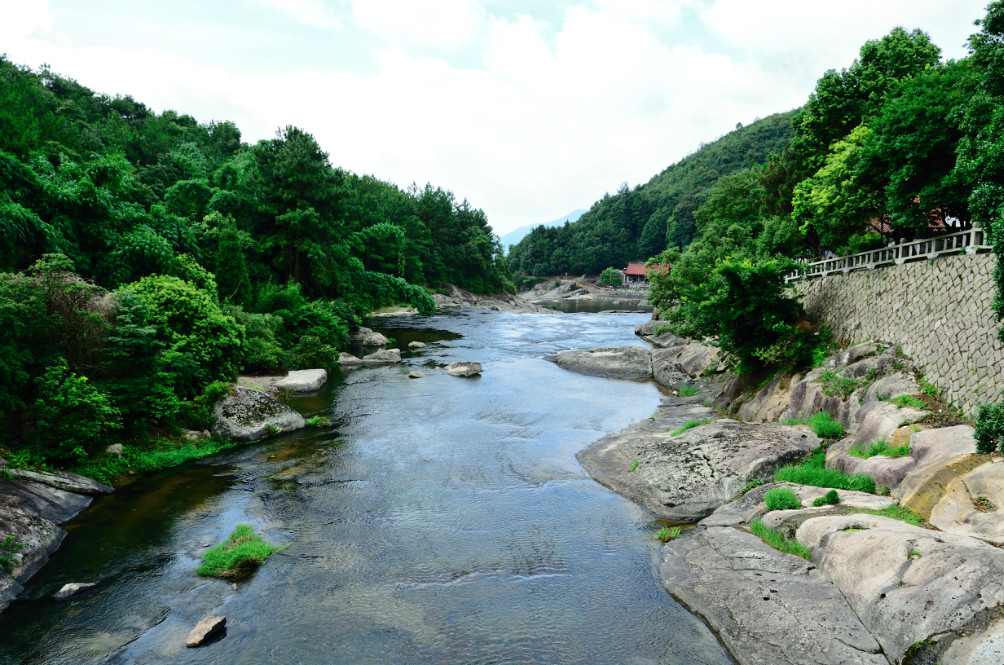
(209, 629)
(72, 589)
(246, 414)
(615, 362)
(416, 345)
(417, 374)
(463, 368)
(302, 380)
(686, 477)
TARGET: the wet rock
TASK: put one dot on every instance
(38, 538)
(973, 504)
(615, 362)
(374, 339)
(686, 477)
(414, 346)
(768, 608)
(417, 374)
(383, 357)
(463, 368)
(302, 381)
(209, 629)
(50, 503)
(246, 414)
(348, 359)
(906, 583)
(64, 480)
(115, 449)
(71, 589)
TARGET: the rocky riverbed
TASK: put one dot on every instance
(877, 589)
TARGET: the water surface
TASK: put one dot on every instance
(439, 520)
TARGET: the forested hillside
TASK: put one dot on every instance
(634, 224)
(145, 255)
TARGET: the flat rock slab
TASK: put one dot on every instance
(906, 583)
(614, 362)
(973, 504)
(768, 608)
(302, 381)
(63, 480)
(246, 414)
(463, 368)
(210, 628)
(686, 477)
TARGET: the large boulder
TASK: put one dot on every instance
(63, 480)
(906, 583)
(615, 362)
(768, 608)
(302, 381)
(973, 504)
(246, 414)
(348, 359)
(375, 339)
(687, 476)
(941, 454)
(38, 538)
(383, 357)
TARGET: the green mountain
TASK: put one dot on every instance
(634, 224)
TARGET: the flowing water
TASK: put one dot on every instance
(439, 520)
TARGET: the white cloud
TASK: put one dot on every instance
(23, 19)
(309, 12)
(439, 23)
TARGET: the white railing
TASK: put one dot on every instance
(970, 241)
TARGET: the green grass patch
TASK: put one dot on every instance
(896, 513)
(779, 542)
(781, 498)
(668, 534)
(909, 400)
(151, 456)
(689, 391)
(813, 471)
(238, 556)
(836, 385)
(318, 421)
(822, 424)
(634, 465)
(9, 546)
(829, 499)
(880, 447)
(690, 424)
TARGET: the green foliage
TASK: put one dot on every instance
(990, 428)
(781, 498)
(9, 547)
(831, 498)
(667, 534)
(822, 423)
(72, 418)
(779, 542)
(904, 401)
(836, 385)
(896, 513)
(238, 556)
(149, 456)
(690, 424)
(318, 421)
(634, 465)
(689, 391)
(879, 447)
(813, 471)
(610, 277)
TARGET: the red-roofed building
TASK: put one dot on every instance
(636, 274)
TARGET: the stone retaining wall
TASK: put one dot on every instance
(938, 311)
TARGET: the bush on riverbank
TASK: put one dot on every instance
(238, 556)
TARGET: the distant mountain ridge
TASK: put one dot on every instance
(513, 237)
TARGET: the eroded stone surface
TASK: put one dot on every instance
(374, 339)
(686, 477)
(937, 452)
(983, 648)
(302, 380)
(463, 368)
(973, 504)
(615, 362)
(383, 357)
(906, 583)
(768, 608)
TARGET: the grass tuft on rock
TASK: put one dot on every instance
(782, 498)
(689, 391)
(813, 471)
(690, 424)
(831, 498)
(822, 424)
(779, 542)
(880, 447)
(896, 513)
(238, 556)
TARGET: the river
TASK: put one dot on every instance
(439, 520)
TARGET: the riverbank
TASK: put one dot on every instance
(569, 295)
(873, 589)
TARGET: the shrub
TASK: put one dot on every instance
(880, 447)
(829, 499)
(610, 277)
(813, 471)
(666, 535)
(990, 427)
(779, 542)
(781, 498)
(238, 556)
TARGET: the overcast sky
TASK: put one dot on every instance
(528, 109)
